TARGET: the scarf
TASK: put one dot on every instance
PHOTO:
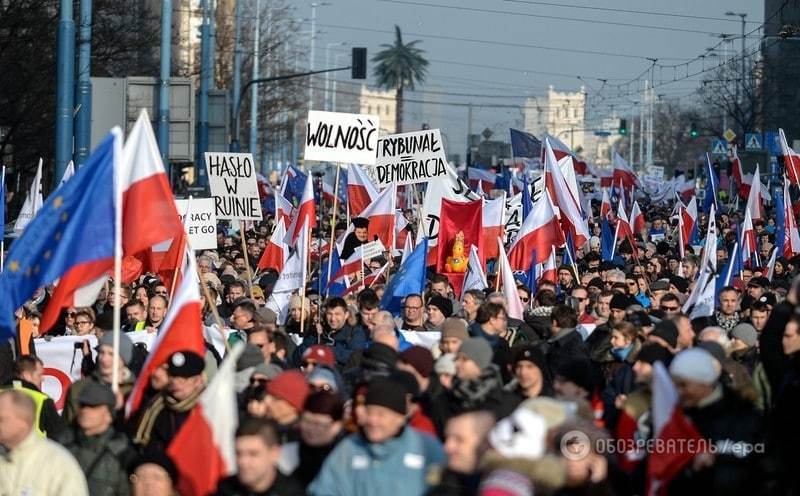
(472, 394)
(158, 404)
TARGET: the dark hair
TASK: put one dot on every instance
(236, 284)
(134, 303)
(247, 306)
(670, 297)
(267, 430)
(26, 363)
(564, 316)
(487, 310)
(440, 278)
(759, 306)
(478, 295)
(336, 301)
(524, 288)
(417, 295)
(368, 300)
(545, 298)
(727, 289)
(280, 340)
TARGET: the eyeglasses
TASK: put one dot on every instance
(83, 322)
(72, 314)
(161, 293)
(669, 309)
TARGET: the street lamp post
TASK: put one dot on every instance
(314, 6)
(742, 16)
(327, 103)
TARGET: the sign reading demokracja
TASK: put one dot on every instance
(408, 158)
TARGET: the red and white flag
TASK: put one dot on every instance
(670, 426)
(688, 221)
(475, 176)
(149, 218)
(514, 307)
(605, 204)
(754, 198)
(360, 190)
(637, 218)
(549, 270)
(556, 186)
(277, 251)
(748, 238)
(204, 449)
(791, 160)
(381, 216)
(623, 230)
(791, 243)
(539, 232)
(306, 212)
(623, 173)
(560, 149)
(494, 212)
(182, 331)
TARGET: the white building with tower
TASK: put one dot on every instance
(562, 114)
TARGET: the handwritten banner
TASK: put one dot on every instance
(233, 183)
(340, 137)
(409, 158)
(201, 223)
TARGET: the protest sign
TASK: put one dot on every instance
(201, 223)
(233, 183)
(408, 158)
(371, 250)
(339, 137)
(513, 216)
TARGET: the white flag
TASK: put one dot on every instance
(474, 278)
(68, 173)
(33, 202)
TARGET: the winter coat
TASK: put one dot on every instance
(732, 425)
(103, 458)
(484, 393)
(783, 429)
(304, 462)
(282, 486)
(344, 342)
(42, 467)
(564, 347)
(48, 419)
(400, 465)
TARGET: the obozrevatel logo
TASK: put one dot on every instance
(575, 445)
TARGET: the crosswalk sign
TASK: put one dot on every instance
(719, 147)
(752, 141)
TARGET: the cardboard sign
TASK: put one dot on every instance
(409, 158)
(371, 250)
(232, 179)
(339, 137)
(201, 223)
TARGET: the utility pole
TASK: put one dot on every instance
(65, 88)
(641, 126)
(205, 86)
(83, 116)
(164, 73)
(740, 102)
(314, 6)
(237, 68)
(253, 143)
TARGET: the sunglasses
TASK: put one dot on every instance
(72, 314)
(669, 309)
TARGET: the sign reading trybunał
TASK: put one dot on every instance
(233, 183)
(339, 137)
(408, 158)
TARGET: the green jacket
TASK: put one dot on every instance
(103, 459)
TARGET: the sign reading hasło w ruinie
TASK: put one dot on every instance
(339, 137)
(408, 158)
(232, 179)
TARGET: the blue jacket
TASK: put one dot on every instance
(344, 343)
(400, 465)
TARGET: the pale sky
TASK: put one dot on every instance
(493, 53)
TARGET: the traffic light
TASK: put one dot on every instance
(358, 67)
(623, 127)
(693, 131)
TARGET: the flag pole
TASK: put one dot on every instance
(3, 220)
(116, 309)
(246, 259)
(183, 255)
(333, 224)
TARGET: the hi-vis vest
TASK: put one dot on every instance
(38, 399)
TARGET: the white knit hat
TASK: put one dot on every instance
(695, 365)
(520, 435)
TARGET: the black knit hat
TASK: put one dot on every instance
(381, 353)
(668, 331)
(578, 372)
(443, 304)
(325, 403)
(530, 353)
(654, 352)
(387, 393)
(620, 301)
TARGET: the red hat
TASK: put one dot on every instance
(420, 358)
(290, 386)
(320, 354)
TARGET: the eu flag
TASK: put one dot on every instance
(712, 184)
(74, 226)
(525, 145)
(410, 279)
(295, 183)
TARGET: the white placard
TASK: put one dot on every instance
(232, 179)
(371, 250)
(201, 224)
(339, 137)
(409, 158)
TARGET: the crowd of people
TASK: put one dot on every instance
(450, 397)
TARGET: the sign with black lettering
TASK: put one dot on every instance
(232, 179)
(199, 219)
(408, 158)
(339, 137)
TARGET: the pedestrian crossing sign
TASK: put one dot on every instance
(719, 147)
(752, 141)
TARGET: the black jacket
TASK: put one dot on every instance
(104, 459)
(283, 486)
(565, 347)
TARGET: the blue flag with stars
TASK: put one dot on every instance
(410, 279)
(75, 226)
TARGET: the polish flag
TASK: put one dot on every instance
(791, 160)
(204, 449)
(283, 207)
(539, 232)
(476, 176)
(623, 230)
(748, 238)
(755, 197)
(149, 218)
(791, 243)
(556, 186)
(605, 204)
(306, 212)
(567, 166)
(623, 173)
(182, 330)
(360, 190)
(276, 252)
(670, 426)
(637, 218)
(494, 212)
(367, 282)
(350, 267)
(549, 270)
(736, 168)
(173, 262)
(514, 308)
(560, 149)
(688, 220)
(381, 214)
(771, 264)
